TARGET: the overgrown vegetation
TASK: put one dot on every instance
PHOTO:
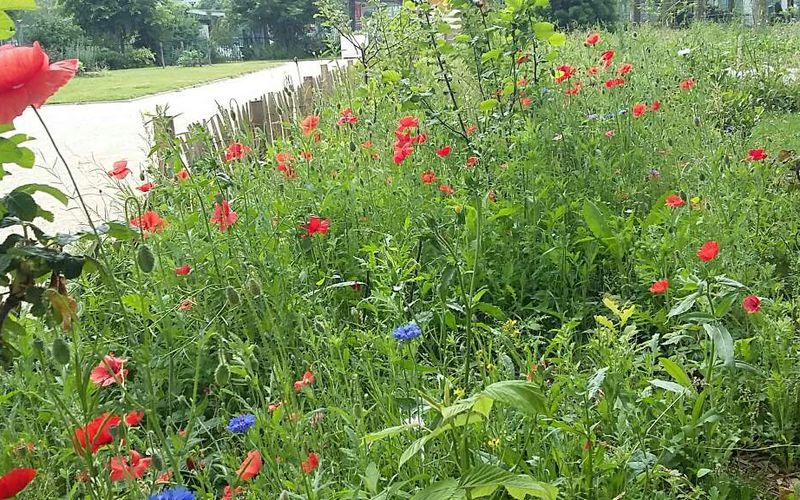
(500, 262)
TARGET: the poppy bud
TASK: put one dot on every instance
(697, 121)
(219, 198)
(253, 287)
(352, 147)
(145, 259)
(233, 296)
(254, 362)
(156, 461)
(60, 351)
(38, 346)
(222, 374)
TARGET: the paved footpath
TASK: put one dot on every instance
(93, 136)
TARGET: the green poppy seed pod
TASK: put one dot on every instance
(38, 346)
(697, 121)
(60, 351)
(253, 287)
(157, 462)
(233, 296)
(145, 259)
(352, 147)
(222, 374)
(254, 362)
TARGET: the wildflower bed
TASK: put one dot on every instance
(498, 263)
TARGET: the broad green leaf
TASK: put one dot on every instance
(371, 477)
(722, 280)
(598, 225)
(488, 105)
(492, 310)
(7, 28)
(44, 188)
(523, 485)
(676, 372)
(391, 76)
(385, 433)
(557, 39)
(594, 384)
(684, 305)
(26, 158)
(21, 205)
(17, 4)
(490, 54)
(514, 5)
(669, 386)
(723, 342)
(542, 3)
(519, 394)
(447, 489)
(485, 475)
(543, 30)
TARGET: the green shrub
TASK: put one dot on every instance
(191, 57)
(570, 13)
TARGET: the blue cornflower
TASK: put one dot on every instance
(407, 332)
(242, 423)
(176, 493)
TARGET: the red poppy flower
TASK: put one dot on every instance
(656, 105)
(525, 102)
(308, 377)
(164, 478)
(756, 155)
(288, 172)
(96, 434)
(593, 70)
(283, 158)
(611, 133)
(274, 406)
(407, 122)
(309, 124)
(28, 79)
(471, 161)
(659, 287)
(124, 470)
(307, 155)
(428, 177)
(15, 481)
(614, 82)
(310, 464)
(564, 73)
(316, 225)
(687, 84)
(639, 109)
(751, 304)
(708, 251)
(110, 371)
(523, 58)
(149, 222)
(119, 170)
(625, 69)
(446, 189)
(674, 201)
(607, 57)
(592, 39)
(236, 151)
(251, 466)
(229, 493)
(146, 187)
(420, 139)
(183, 175)
(472, 129)
(522, 82)
(444, 151)
(183, 270)
(134, 418)
(347, 117)
(223, 216)
(186, 305)
(402, 151)
(574, 90)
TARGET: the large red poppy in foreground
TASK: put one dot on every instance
(28, 79)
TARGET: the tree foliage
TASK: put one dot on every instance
(570, 13)
(119, 22)
(286, 22)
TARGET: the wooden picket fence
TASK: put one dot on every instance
(267, 119)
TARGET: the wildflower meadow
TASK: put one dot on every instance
(501, 260)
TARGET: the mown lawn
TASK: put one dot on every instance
(131, 83)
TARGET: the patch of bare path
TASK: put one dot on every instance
(93, 136)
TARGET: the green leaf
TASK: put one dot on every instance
(7, 30)
(684, 305)
(593, 387)
(371, 477)
(447, 489)
(17, 5)
(43, 188)
(490, 54)
(669, 386)
(598, 225)
(514, 5)
(523, 485)
(385, 433)
(557, 39)
(543, 30)
(390, 76)
(676, 372)
(21, 205)
(519, 394)
(492, 310)
(723, 342)
(488, 105)
(542, 3)
(485, 475)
